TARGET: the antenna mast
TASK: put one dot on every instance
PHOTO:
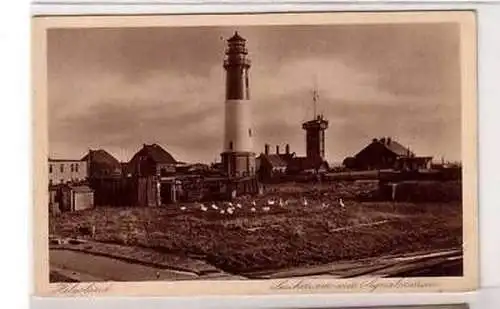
(315, 96)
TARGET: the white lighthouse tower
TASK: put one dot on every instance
(238, 158)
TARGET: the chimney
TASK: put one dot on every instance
(277, 149)
(382, 140)
(389, 140)
(287, 149)
(266, 149)
(374, 140)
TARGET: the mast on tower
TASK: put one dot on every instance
(315, 97)
(315, 102)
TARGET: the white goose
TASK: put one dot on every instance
(281, 203)
(304, 202)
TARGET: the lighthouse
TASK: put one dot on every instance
(238, 158)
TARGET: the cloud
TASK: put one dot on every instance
(120, 88)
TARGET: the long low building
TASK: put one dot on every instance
(67, 170)
(386, 153)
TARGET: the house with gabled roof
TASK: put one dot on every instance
(152, 160)
(386, 153)
(101, 164)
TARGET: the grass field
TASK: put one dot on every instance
(284, 236)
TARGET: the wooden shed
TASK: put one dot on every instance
(76, 198)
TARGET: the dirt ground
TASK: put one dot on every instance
(289, 226)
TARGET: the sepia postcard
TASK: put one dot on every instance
(182, 155)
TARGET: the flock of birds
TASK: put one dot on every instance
(229, 208)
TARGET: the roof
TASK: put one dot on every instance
(101, 156)
(275, 160)
(397, 148)
(390, 145)
(156, 153)
(236, 38)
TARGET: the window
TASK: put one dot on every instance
(231, 145)
(250, 132)
(50, 168)
(247, 84)
(72, 168)
(76, 167)
(61, 168)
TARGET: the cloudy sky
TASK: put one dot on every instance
(119, 88)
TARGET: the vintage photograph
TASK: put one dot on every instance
(257, 151)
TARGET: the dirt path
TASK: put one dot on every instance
(86, 267)
(352, 227)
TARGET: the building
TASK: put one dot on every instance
(238, 157)
(315, 138)
(386, 153)
(76, 197)
(283, 166)
(195, 169)
(64, 171)
(314, 162)
(152, 160)
(153, 170)
(70, 197)
(101, 164)
(273, 167)
(307, 165)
